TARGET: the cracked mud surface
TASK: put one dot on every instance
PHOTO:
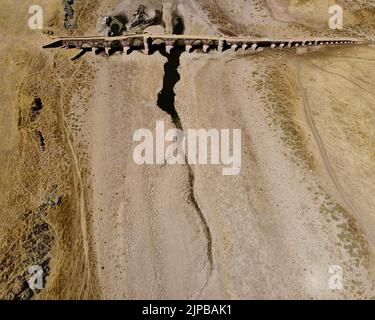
(302, 203)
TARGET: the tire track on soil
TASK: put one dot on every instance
(322, 150)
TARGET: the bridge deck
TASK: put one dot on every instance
(144, 41)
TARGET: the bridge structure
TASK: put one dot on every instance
(147, 42)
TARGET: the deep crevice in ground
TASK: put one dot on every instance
(166, 102)
(166, 97)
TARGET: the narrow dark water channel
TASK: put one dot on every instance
(166, 97)
(166, 102)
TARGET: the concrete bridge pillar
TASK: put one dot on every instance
(244, 46)
(281, 45)
(169, 44)
(289, 45)
(106, 49)
(126, 49)
(145, 43)
(254, 46)
(188, 48)
(93, 49)
(205, 48)
(220, 46)
(273, 46)
(168, 48)
(234, 46)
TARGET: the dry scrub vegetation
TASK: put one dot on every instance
(40, 221)
(282, 98)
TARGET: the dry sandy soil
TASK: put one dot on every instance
(304, 200)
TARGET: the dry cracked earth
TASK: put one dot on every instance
(297, 222)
